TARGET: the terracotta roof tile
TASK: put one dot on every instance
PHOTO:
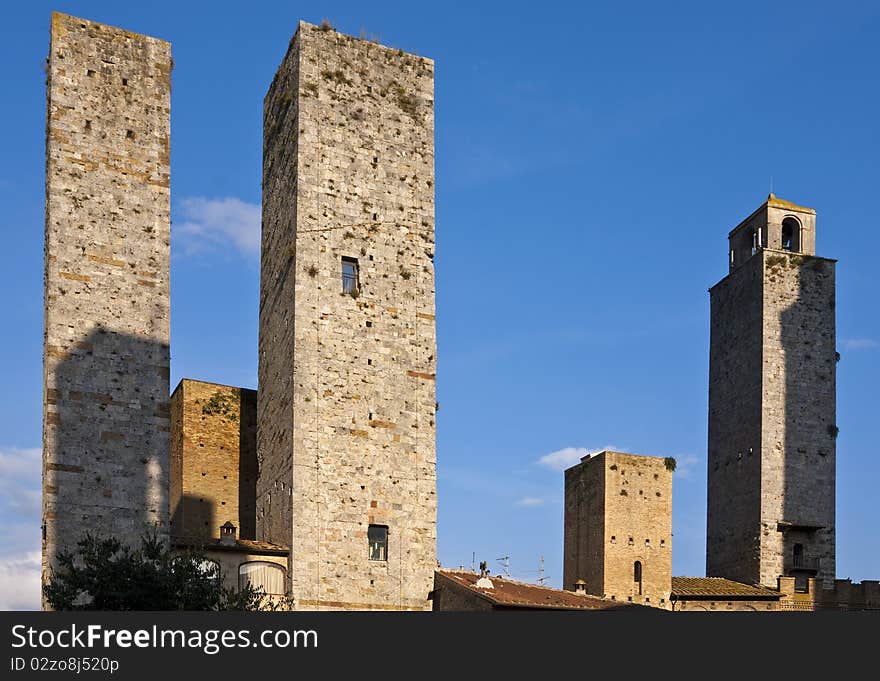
(719, 587)
(513, 594)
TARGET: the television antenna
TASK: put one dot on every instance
(542, 578)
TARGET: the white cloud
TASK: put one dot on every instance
(221, 223)
(568, 457)
(20, 581)
(530, 501)
(20, 483)
(685, 465)
(860, 344)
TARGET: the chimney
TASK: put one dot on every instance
(227, 534)
(580, 587)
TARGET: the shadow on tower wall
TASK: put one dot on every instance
(808, 428)
(247, 465)
(105, 440)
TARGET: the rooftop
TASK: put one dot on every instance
(718, 587)
(241, 545)
(776, 202)
(512, 594)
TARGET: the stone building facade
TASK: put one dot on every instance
(213, 482)
(213, 467)
(618, 527)
(844, 595)
(716, 594)
(347, 350)
(772, 423)
(106, 285)
(236, 561)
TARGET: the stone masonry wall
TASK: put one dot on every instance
(618, 510)
(584, 527)
(638, 527)
(278, 303)
(722, 605)
(106, 330)
(347, 433)
(213, 460)
(735, 397)
(799, 415)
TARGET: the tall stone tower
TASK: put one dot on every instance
(772, 423)
(618, 527)
(346, 401)
(106, 333)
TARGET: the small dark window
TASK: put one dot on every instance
(377, 536)
(637, 574)
(349, 274)
(798, 555)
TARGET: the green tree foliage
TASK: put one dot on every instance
(105, 574)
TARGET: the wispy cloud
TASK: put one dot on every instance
(860, 344)
(20, 471)
(20, 483)
(569, 456)
(218, 224)
(685, 465)
(20, 581)
(530, 501)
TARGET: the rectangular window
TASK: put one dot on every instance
(349, 274)
(377, 536)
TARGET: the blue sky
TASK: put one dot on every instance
(590, 160)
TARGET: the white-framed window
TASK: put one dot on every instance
(350, 275)
(263, 574)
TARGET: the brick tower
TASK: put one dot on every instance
(213, 467)
(347, 352)
(106, 316)
(618, 527)
(772, 422)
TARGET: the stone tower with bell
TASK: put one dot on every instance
(772, 403)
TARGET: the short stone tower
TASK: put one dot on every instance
(347, 351)
(106, 333)
(772, 423)
(213, 468)
(618, 527)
